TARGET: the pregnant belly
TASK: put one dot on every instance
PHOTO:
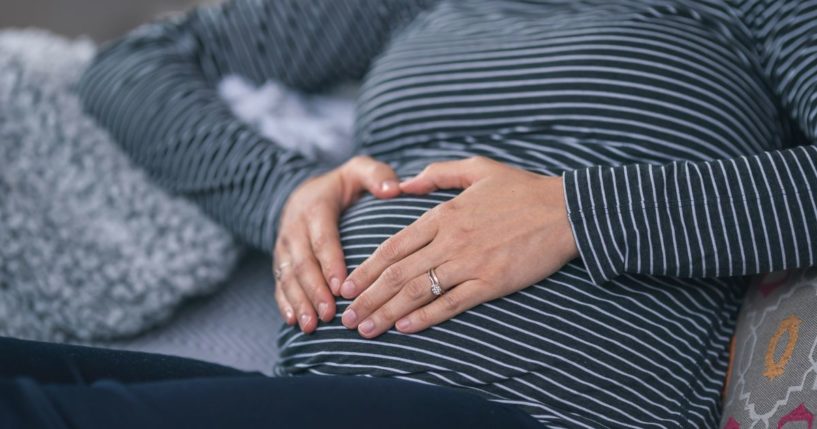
(641, 345)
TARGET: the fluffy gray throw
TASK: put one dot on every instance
(89, 248)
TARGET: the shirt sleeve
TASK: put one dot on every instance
(155, 90)
(726, 217)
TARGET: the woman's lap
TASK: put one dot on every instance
(48, 385)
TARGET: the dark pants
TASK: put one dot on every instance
(46, 385)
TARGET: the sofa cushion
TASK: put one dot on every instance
(773, 377)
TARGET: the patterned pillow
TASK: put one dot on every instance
(773, 374)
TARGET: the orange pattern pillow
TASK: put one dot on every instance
(772, 381)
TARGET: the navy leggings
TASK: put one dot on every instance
(45, 385)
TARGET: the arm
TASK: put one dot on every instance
(155, 91)
(721, 218)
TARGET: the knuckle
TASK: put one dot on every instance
(416, 291)
(291, 295)
(355, 165)
(313, 291)
(319, 241)
(308, 288)
(455, 235)
(360, 274)
(390, 249)
(450, 303)
(317, 293)
(283, 283)
(284, 240)
(326, 294)
(369, 170)
(448, 207)
(284, 287)
(364, 304)
(386, 314)
(299, 266)
(357, 160)
(326, 269)
(393, 275)
(461, 233)
(478, 160)
(381, 168)
(293, 302)
(430, 216)
(423, 316)
(311, 211)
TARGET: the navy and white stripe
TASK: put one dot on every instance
(748, 214)
(674, 124)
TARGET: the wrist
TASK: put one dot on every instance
(553, 215)
(599, 246)
(568, 236)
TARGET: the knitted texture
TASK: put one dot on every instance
(89, 248)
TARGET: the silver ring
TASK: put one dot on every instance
(436, 289)
(279, 270)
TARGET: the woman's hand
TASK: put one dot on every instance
(308, 258)
(506, 231)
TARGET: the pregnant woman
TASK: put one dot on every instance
(555, 204)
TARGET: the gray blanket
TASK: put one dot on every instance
(89, 248)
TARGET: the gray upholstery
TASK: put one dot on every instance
(237, 326)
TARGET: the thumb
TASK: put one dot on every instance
(445, 175)
(374, 176)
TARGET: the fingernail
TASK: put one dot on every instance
(367, 326)
(349, 318)
(334, 284)
(403, 324)
(289, 315)
(304, 320)
(388, 185)
(348, 289)
(322, 309)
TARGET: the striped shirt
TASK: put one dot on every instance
(681, 129)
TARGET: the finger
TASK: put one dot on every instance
(388, 284)
(394, 249)
(302, 312)
(284, 306)
(415, 294)
(459, 299)
(458, 174)
(325, 242)
(376, 177)
(302, 307)
(308, 273)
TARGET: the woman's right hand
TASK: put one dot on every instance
(308, 256)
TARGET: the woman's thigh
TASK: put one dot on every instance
(188, 393)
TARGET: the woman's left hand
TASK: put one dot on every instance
(507, 230)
